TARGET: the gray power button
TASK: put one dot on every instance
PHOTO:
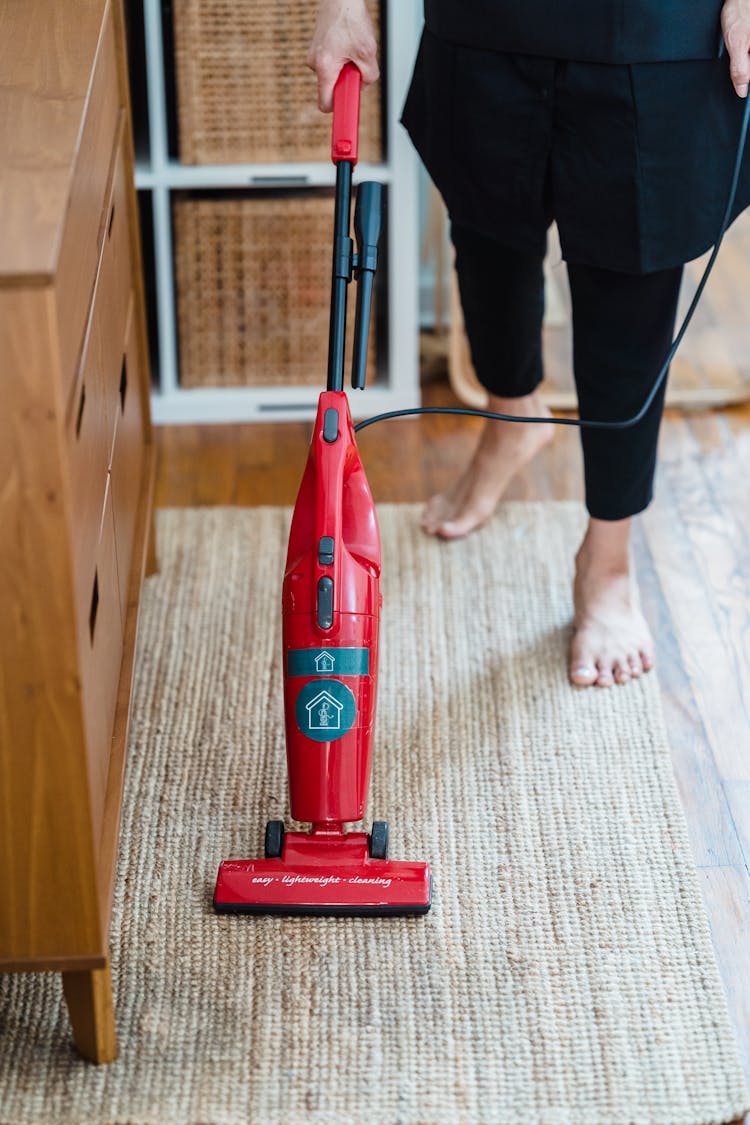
(325, 603)
(331, 424)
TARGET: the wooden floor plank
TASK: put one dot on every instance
(738, 796)
(692, 549)
(726, 894)
(713, 834)
(711, 495)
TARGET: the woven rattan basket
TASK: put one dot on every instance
(244, 94)
(253, 278)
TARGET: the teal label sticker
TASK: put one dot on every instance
(325, 710)
(328, 662)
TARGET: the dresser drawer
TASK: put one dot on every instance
(114, 289)
(101, 656)
(85, 222)
(127, 459)
(96, 405)
(88, 446)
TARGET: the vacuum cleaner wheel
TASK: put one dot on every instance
(377, 841)
(274, 845)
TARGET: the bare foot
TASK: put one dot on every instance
(612, 642)
(504, 448)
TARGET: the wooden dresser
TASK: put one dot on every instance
(76, 476)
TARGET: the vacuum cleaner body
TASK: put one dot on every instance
(330, 614)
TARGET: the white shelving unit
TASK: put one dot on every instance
(162, 175)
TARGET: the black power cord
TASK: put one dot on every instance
(636, 418)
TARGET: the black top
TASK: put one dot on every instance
(604, 31)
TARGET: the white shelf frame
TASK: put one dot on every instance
(161, 175)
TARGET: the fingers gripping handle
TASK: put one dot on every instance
(345, 132)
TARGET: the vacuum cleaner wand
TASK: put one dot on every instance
(341, 275)
(367, 224)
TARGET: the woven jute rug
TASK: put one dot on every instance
(565, 975)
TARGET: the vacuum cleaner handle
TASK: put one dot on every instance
(367, 224)
(344, 146)
(345, 130)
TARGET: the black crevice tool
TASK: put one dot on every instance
(368, 217)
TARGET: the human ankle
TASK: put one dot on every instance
(605, 550)
(527, 406)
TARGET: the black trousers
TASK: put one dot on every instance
(623, 325)
(634, 162)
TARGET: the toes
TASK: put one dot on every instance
(469, 520)
(621, 671)
(583, 675)
(597, 656)
(582, 670)
(433, 522)
(434, 511)
(604, 674)
(456, 529)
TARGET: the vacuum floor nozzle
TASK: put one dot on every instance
(324, 875)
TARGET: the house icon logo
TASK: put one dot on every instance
(324, 662)
(324, 712)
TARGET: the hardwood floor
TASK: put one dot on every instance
(693, 557)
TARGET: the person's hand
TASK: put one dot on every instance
(343, 33)
(735, 27)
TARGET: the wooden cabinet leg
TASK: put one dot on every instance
(88, 995)
(152, 562)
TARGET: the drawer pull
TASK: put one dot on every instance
(81, 404)
(94, 605)
(123, 381)
(111, 220)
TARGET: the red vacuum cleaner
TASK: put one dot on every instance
(331, 607)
